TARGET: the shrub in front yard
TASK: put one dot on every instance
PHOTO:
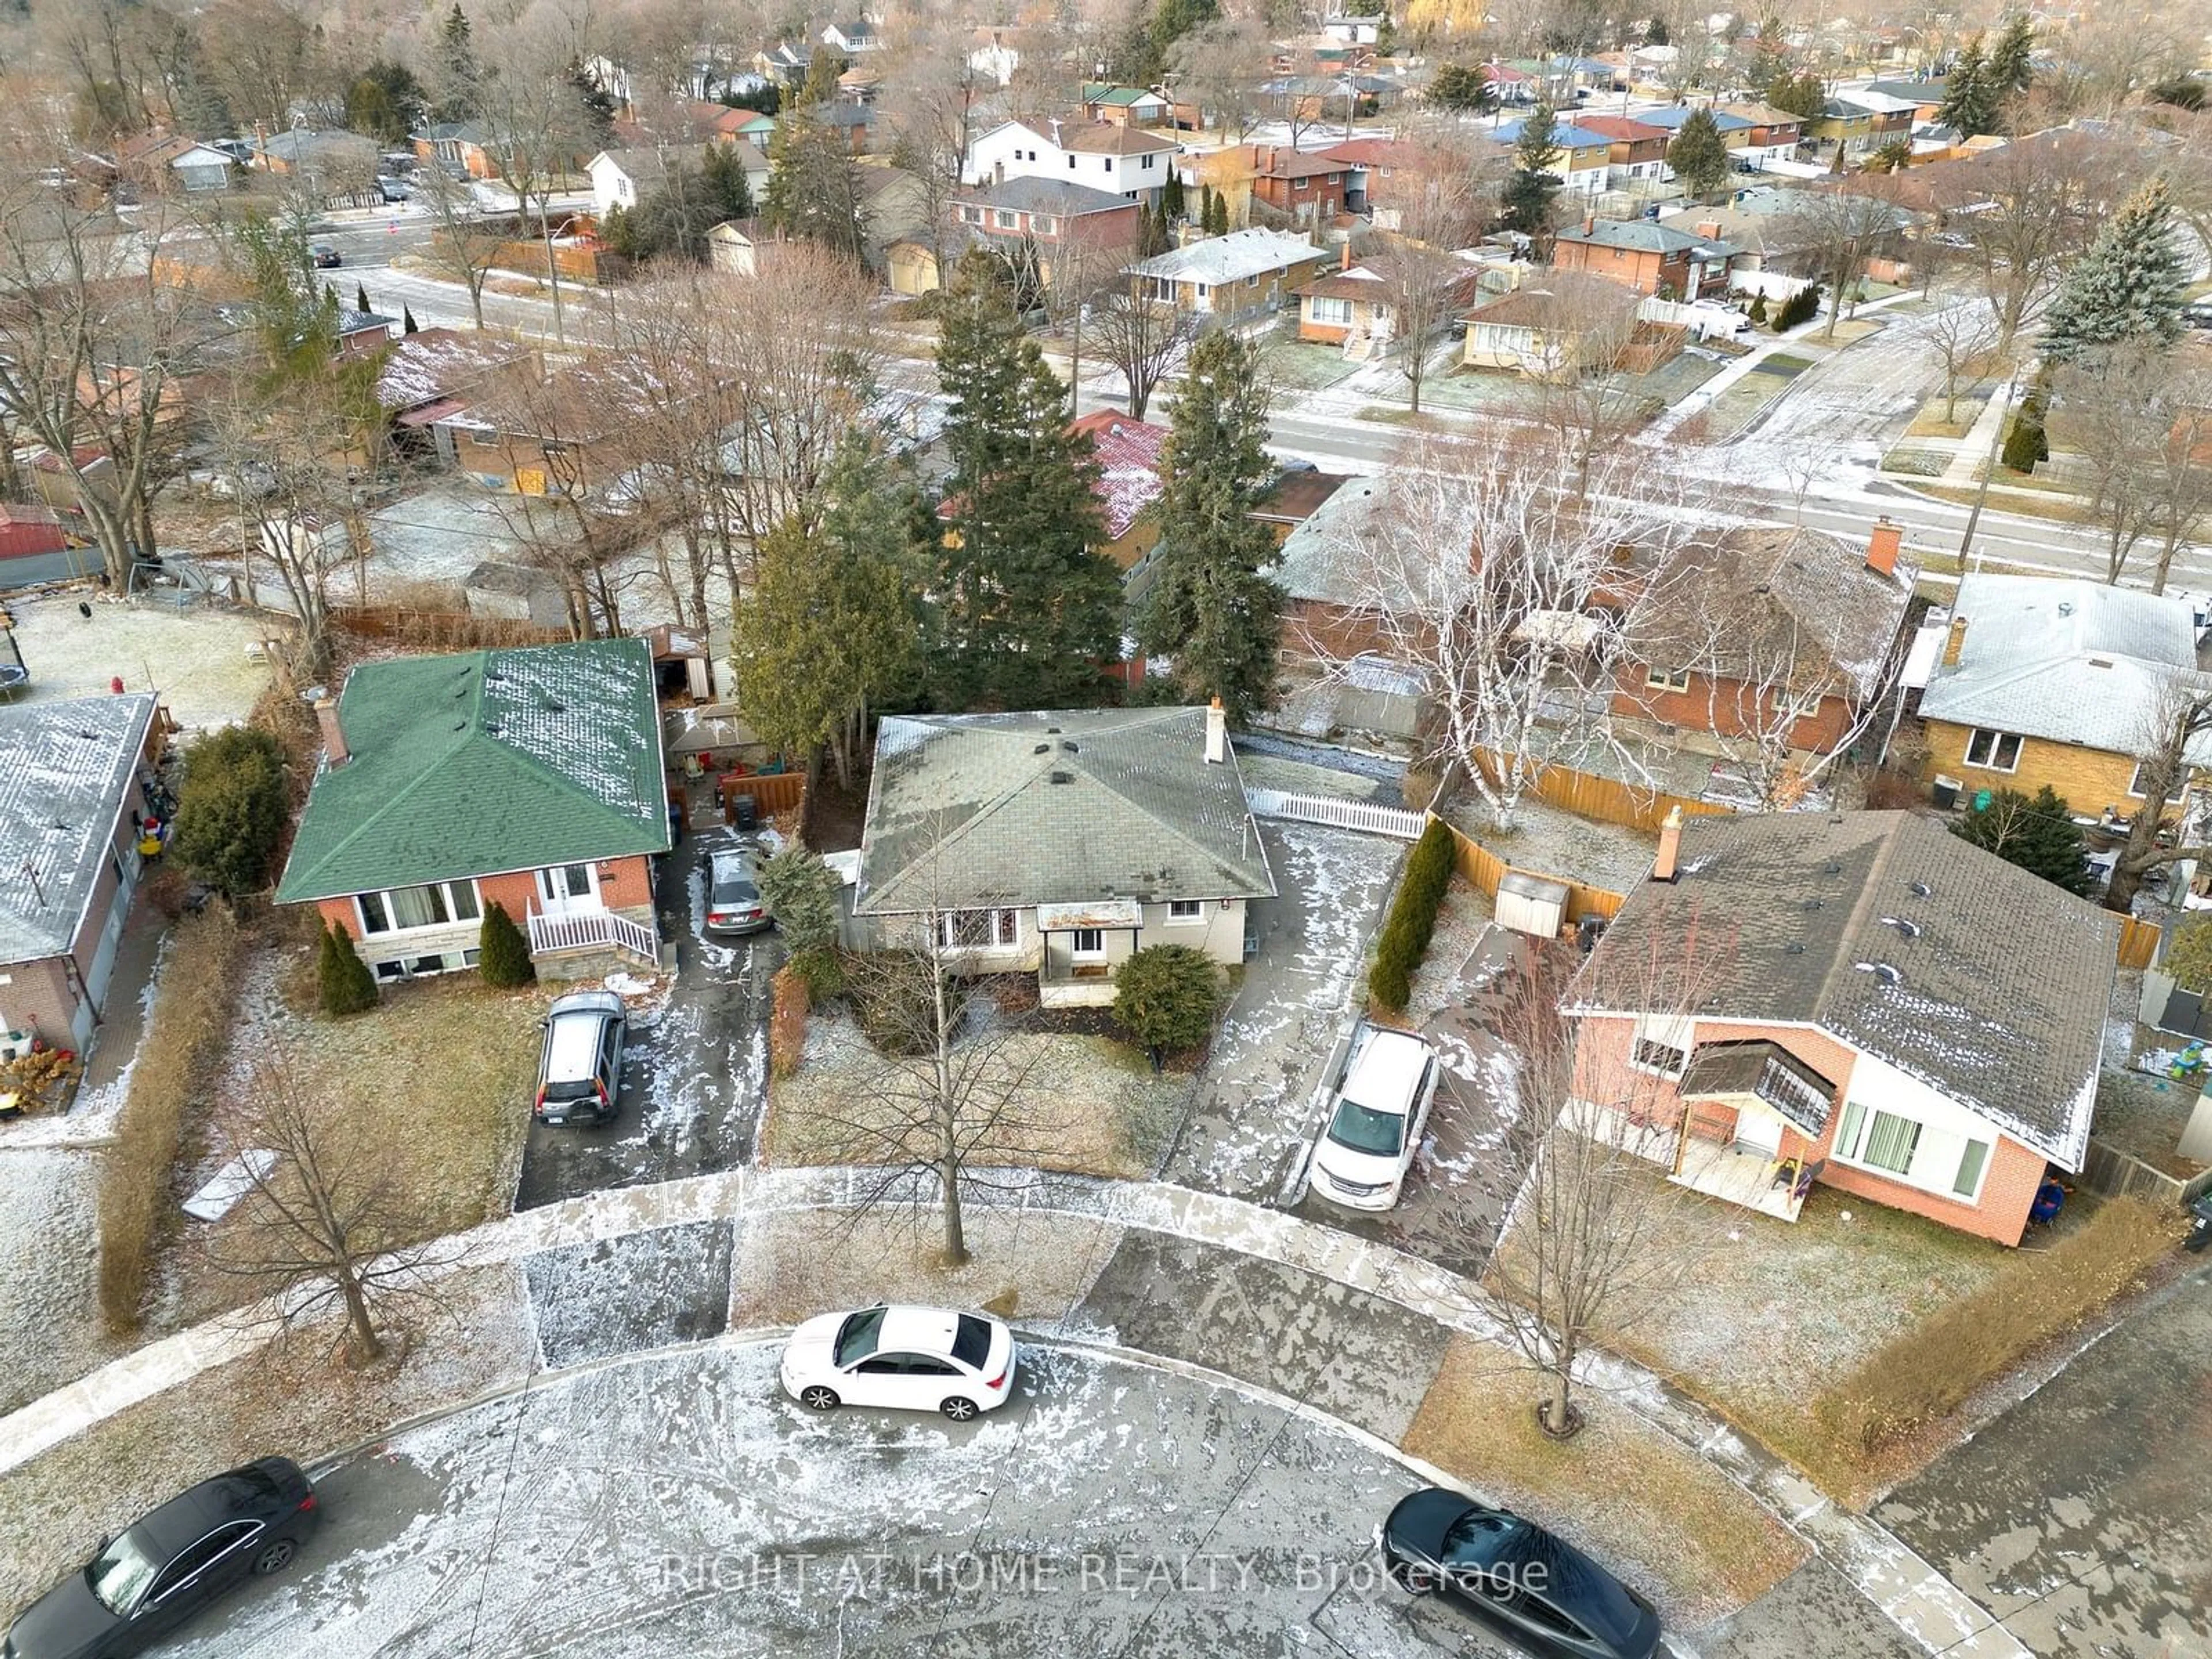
(823, 969)
(1929, 1371)
(183, 1043)
(1800, 307)
(1166, 996)
(802, 896)
(343, 984)
(1412, 917)
(786, 1023)
(502, 957)
(230, 812)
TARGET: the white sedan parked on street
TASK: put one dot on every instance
(1375, 1119)
(921, 1359)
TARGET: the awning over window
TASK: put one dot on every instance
(431, 413)
(1765, 1069)
(1099, 913)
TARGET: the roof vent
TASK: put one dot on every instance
(1922, 890)
(1052, 731)
(2100, 662)
(1886, 972)
(1067, 748)
(1041, 749)
(1812, 904)
(2065, 607)
(1794, 948)
(1063, 777)
(1910, 929)
(1832, 868)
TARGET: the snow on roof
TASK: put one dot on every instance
(65, 770)
(437, 362)
(1129, 478)
(1387, 1071)
(1229, 258)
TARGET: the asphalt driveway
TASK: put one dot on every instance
(696, 1073)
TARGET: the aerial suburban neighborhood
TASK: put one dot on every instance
(1125, 826)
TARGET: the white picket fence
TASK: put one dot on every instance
(584, 930)
(1393, 821)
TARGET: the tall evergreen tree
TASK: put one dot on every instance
(1803, 95)
(814, 185)
(2011, 61)
(1527, 201)
(1970, 96)
(1030, 614)
(457, 58)
(1212, 605)
(2128, 286)
(1699, 153)
(1171, 202)
(1459, 89)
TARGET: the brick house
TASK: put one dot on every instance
(1052, 213)
(1059, 842)
(1231, 275)
(1305, 186)
(1356, 307)
(1638, 148)
(1644, 256)
(72, 799)
(1129, 481)
(1841, 1000)
(530, 777)
(1767, 634)
(2056, 680)
(1769, 135)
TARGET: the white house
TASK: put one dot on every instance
(1130, 161)
(853, 37)
(623, 178)
(1059, 842)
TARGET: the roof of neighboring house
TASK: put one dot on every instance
(1359, 283)
(1112, 138)
(1294, 497)
(29, 513)
(1129, 453)
(843, 112)
(1566, 135)
(1672, 116)
(1374, 152)
(2065, 658)
(645, 166)
(1317, 564)
(1622, 129)
(1280, 163)
(300, 144)
(1100, 92)
(1894, 935)
(437, 362)
(963, 812)
(1230, 259)
(484, 762)
(1760, 115)
(1867, 100)
(1544, 307)
(1642, 236)
(64, 770)
(351, 321)
(438, 132)
(1034, 195)
(1767, 604)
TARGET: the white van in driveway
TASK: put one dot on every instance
(1374, 1116)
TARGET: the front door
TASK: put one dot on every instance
(568, 887)
(1759, 1132)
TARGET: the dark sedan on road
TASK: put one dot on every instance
(1538, 1591)
(141, 1586)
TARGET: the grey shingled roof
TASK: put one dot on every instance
(65, 767)
(2071, 660)
(1320, 561)
(1230, 259)
(1033, 195)
(1643, 236)
(1762, 596)
(1996, 997)
(963, 812)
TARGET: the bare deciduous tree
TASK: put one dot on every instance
(1484, 570)
(1844, 229)
(1962, 337)
(2175, 742)
(322, 1229)
(950, 1097)
(1141, 338)
(2028, 207)
(463, 243)
(2134, 420)
(1220, 66)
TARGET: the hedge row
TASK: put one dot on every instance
(786, 1021)
(1405, 938)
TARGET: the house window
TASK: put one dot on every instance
(1186, 911)
(395, 909)
(1071, 164)
(1972, 1163)
(1880, 1140)
(2136, 785)
(1006, 221)
(1109, 164)
(977, 929)
(482, 438)
(1662, 1046)
(1660, 1057)
(971, 215)
(1796, 707)
(1042, 223)
(1149, 159)
(1321, 309)
(1998, 751)
(1090, 943)
(1667, 679)
(1201, 290)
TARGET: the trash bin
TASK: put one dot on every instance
(1947, 791)
(744, 812)
(2200, 1224)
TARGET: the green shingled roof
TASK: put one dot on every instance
(485, 762)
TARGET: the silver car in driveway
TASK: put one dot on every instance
(580, 1067)
(734, 904)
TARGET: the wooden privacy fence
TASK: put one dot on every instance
(772, 791)
(1610, 801)
(1343, 814)
(2106, 1169)
(2138, 942)
(1484, 870)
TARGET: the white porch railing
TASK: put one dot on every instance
(585, 930)
(1393, 821)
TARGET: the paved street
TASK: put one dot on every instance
(696, 1074)
(2083, 1516)
(679, 1505)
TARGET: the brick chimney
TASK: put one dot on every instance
(1670, 846)
(1709, 229)
(1955, 642)
(334, 743)
(1882, 545)
(1589, 224)
(1217, 734)
(1346, 265)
